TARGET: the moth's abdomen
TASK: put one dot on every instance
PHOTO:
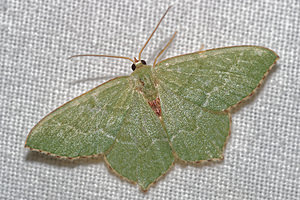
(144, 83)
(155, 105)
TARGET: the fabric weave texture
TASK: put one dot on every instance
(262, 157)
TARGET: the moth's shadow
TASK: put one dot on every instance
(33, 156)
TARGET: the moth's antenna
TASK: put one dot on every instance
(122, 57)
(161, 52)
(153, 32)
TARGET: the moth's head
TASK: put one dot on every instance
(138, 64)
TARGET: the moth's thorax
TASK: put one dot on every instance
(144, 82)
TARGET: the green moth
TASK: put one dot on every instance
(176, 109)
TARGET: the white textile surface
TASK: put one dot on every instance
(262, 157)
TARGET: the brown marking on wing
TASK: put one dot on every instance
(155, 105)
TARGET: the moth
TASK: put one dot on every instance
(176, 109)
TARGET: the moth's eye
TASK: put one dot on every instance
(143, 62)
(133, 67)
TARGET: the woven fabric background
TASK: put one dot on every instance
(262, 157)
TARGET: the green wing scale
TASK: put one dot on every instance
(111, 120)
(179, 109)
(194, 133)
(218, 78)
(85, 126)
(141, 152)
(196, 90)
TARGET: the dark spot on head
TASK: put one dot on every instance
(143, 62)
(133, 67)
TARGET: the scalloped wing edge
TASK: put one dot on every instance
(260, 82)
(108, 166)
(228, 111)
(212, 159)
(257, 87)
(66, 157)
(135, 182)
